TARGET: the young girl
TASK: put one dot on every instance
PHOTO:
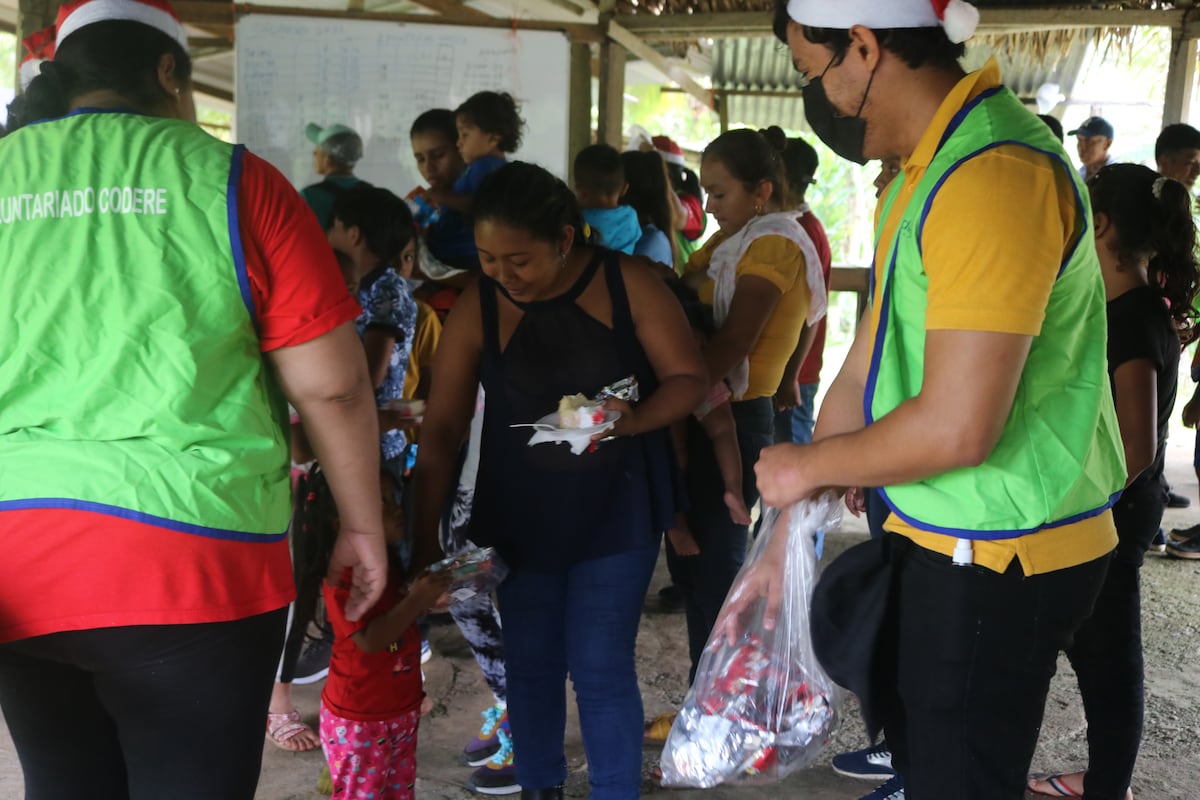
(370, 706)
(650, 195)
(716, 418)
(489, 127)
(1146, 241)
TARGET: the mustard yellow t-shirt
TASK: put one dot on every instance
(426, 333)
(991, 265)
(780, 261)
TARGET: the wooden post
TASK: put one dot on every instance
(579, 116)
(612, 93)
(723, 110)
(1181, 77)
(32, 16)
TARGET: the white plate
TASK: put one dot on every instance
(549, 424)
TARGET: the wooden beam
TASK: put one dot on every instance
(657, 60)
(579, 114)
(451, 8)
(32, 16)
(723, 110)
(612, 94)
(1181, 77)
(213, 91)
(737, 24)
(205, 13)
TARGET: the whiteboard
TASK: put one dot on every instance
(377, 77)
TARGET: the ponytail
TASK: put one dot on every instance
(1152, 216)
(1174, 266)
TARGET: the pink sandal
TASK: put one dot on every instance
(282, 728)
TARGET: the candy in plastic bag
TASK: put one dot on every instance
(760, 707)
(475, 572)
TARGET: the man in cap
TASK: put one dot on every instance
(1093, 140)
(975, 394)
(338, 149)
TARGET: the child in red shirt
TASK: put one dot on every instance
(371, 703)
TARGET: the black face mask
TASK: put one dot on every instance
(843, 135)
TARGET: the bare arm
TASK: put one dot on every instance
(326, 380)
(842, 411)
(1136, 398)
(754, 300)
(664, 334)
(384, 630)
(968, 415)
(455, 200)
(447, 416)
(378, 343)
(786, 395)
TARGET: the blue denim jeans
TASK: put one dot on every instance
(582, 621)
(705, 579)
(795, 425)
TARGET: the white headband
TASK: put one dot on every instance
(960, 18)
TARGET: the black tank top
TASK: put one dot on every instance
(542, 507)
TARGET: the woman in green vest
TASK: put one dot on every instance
(163, 296)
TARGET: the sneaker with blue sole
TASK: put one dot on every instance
(499, 775)
(892, 790)
(870, 763)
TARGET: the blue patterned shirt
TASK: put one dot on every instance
(388, 305)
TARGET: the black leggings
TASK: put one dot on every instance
(142, 713)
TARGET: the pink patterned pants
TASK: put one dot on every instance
(370, 760)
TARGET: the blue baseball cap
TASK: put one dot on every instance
(1095, 126)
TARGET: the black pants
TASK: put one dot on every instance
(142, 713)
(974, 652)
(705, 579)
(1107, 653)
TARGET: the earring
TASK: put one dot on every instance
(758, 209)
(562, 257)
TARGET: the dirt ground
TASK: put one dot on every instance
(1167, 770)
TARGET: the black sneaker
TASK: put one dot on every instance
(1184, 534)
(1177, 500)
(313, 664)
(892, 790)
(671, 599)
(1189, 549)
(870, 763)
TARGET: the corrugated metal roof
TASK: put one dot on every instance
(744, 67)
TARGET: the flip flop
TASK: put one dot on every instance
(658, 728)
(1056, 783)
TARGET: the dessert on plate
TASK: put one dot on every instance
(577, 411)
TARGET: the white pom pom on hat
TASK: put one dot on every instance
(39, 48)
(957, 18)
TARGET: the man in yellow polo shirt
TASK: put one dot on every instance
(976, 395)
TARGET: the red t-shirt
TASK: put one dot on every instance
(370, 686)
(66, 569)
(810, 370)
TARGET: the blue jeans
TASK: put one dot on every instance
(795, 425)
(582, 621)
(704, 579)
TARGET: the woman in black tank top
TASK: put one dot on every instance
(554, 317)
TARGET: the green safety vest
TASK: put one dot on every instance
(1059, 459)
(131, 377)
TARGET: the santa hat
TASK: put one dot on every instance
(957, 17)
(39, 48)
(158, 14)
(670, 152)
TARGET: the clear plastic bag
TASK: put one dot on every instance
(761, 707)
(475, 572)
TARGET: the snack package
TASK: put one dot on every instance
(761, 707)
(475, 572)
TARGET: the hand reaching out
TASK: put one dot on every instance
(365, 555)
